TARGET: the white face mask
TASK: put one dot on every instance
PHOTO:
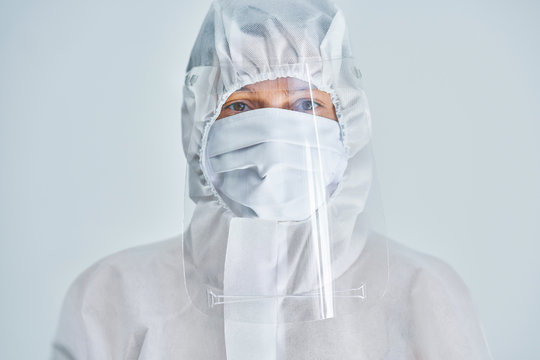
(275, 164)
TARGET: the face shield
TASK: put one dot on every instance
(277, 230)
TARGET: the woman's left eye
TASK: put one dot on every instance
(307, 105)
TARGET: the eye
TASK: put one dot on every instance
(238, 106)
(306, 105)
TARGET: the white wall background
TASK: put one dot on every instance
(91, 163)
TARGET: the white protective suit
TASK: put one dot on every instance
(362, 296)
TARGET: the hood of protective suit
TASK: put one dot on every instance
(245, 42)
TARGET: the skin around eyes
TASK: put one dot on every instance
(285, 93)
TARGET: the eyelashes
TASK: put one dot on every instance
(238, 106)
(302, 105)
(305, 105)
(273, 95)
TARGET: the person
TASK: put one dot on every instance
(280, 257)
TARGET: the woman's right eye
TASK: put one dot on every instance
(238, 106)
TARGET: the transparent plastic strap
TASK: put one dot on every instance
(216, 299)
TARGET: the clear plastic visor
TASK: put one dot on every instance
(281, 237)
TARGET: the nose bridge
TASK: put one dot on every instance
(276, 98)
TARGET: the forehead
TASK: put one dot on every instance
(282, 84)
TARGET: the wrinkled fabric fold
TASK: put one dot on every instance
(284, 174)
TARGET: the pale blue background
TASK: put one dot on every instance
(90, 157)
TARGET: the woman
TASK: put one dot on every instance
(279, 258)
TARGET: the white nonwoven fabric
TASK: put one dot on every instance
(268, 163)
(151, 302)
(134, 305)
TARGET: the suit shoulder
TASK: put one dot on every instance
(402, 256)
(137, 271)
(409, 268)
